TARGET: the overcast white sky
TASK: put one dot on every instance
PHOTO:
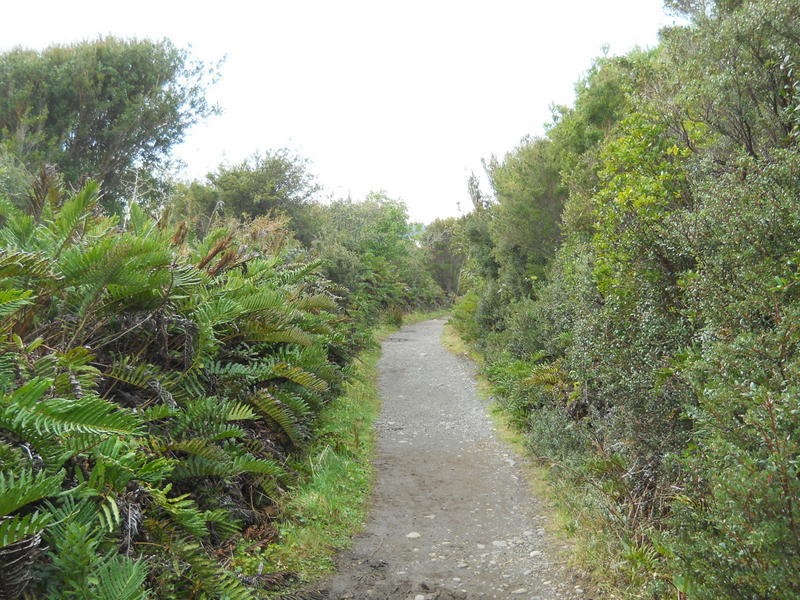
(405, 97)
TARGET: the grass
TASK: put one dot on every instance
(453, 342)
(322, 512)
(320, 515)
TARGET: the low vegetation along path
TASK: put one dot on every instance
(452, 514)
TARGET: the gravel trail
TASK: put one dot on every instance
(452, 516)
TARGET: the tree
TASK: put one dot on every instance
(530, 196)
(98, 109)
(275, 182)
(368, 248)
(443, 243)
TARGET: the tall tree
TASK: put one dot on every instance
(99, 108)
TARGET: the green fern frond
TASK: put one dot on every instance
(299, 376)
(139, 376)
(203, 571)
(315, 302)
(16, 263)
(24, 408)
(297, 404)
(157, 413)
(20, 488)
(181, 509)
(73, 213)
(256, 301)
(211, 418)
(120, 578)
(8, 371)
(16, 528)
(239, 412)
(109, 513)
(252, 372)
(199, 447)
(269, 406)
(548, 375)
(12, 301)
(261, 466)
(45, 367)
(197, 466)
(218, 311)
(286, 335)
(223, 522)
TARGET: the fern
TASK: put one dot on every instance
(299, 376)
(202, 571)
(200, 448)
(181, 509)
(21, 488)
(286, 335)
(16, 528)
(120, 578)
(214, 362)
(12, 301)
(24, 409)
(223, 523)
(72, 214)
(17, 263)
(269, 406)
(196, 466)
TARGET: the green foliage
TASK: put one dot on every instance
(524, 227)
(443, 244)
(152, 392)
(368, 248)
(98, 108)
(272, 183)
(652, 360)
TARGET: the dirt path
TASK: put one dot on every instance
(452, 516)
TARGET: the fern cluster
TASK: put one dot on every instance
(151, 391)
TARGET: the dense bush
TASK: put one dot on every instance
(151, 391)
(654, 359)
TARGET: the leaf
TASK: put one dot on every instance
(299, 376)
(16, 528)
(20, 488)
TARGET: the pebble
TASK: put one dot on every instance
(499, 517)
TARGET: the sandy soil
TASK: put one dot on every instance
(452, 516)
